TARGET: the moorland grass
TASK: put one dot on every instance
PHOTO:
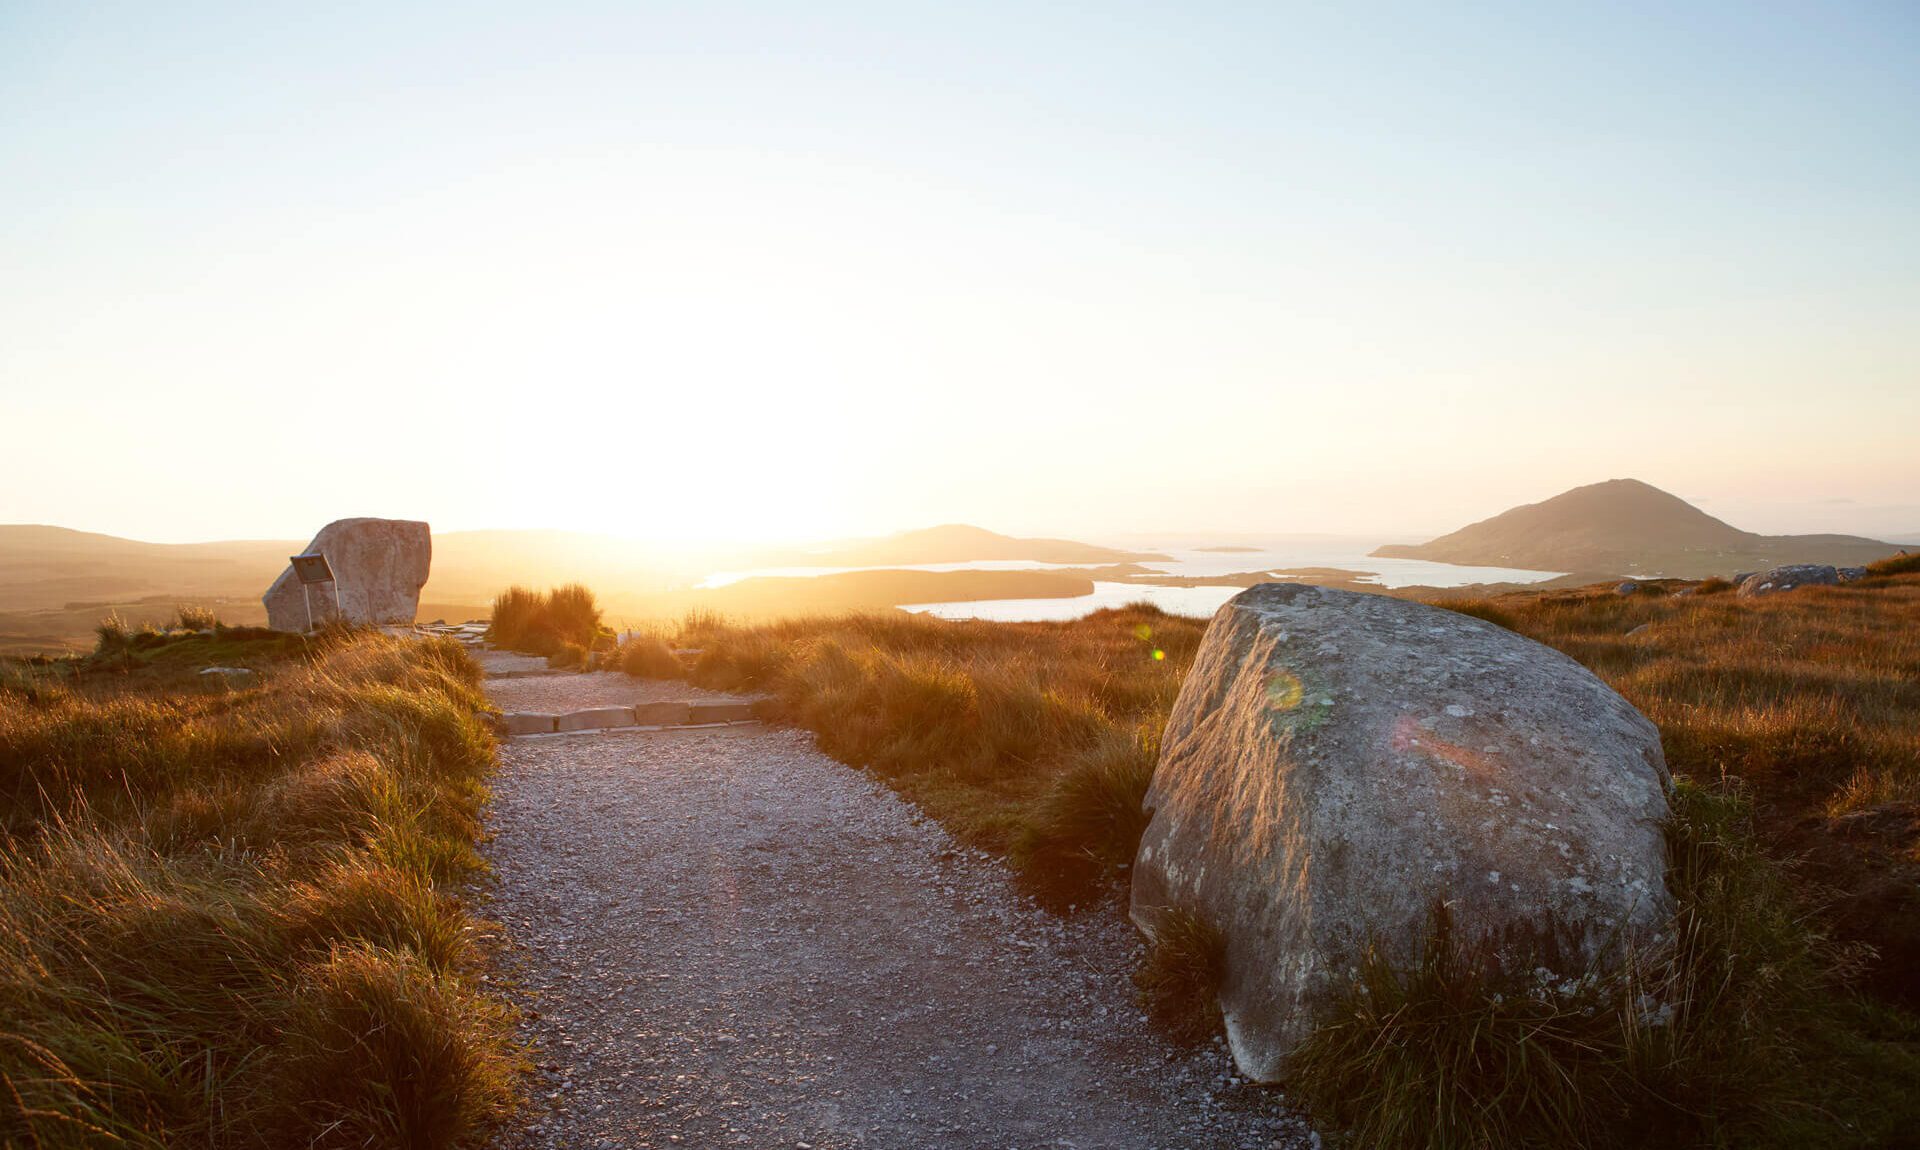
(227, 917)
(563, 624)
(189, 617)
(1181, 975)
(1772, 1020)
(647, 656)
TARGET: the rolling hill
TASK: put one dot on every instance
(1626, 527)
(56, 583)
(43, 567)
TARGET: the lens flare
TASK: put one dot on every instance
(1142, 632)
(1158, 654)
(1284, 690)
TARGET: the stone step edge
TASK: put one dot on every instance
(640, 729)
(669, 713)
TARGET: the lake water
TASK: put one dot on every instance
(722, 578)
(1198, 601)
(1266, 554)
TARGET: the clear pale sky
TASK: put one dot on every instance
(720, 270)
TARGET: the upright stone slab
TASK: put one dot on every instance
(379, 566)
(1338, 762)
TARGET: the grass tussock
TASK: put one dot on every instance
(227, 919)
(647, 656)
(567, 655)
(111, 633)
(563, 624)
(188, 617)
(1087, 824)
(1179, 980)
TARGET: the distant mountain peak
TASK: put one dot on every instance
(1627, 527)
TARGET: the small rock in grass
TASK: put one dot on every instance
(1788, 578)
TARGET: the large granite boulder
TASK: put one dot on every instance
(379, 566)
(1338, 763)
(1787, 578)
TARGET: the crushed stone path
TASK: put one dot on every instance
(722, 937)
(579, 691)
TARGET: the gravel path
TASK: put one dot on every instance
(724, 938)
(551, 694)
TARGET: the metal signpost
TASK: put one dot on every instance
(310, 569)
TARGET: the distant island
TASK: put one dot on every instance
(1626, 527)
(960, 543)
(777, 596)
(1226, 550)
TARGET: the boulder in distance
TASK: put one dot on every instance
(1787, 578)
(379, 566)
(1337, 764)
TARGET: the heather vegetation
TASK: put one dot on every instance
(228, 914)
(1777, 1016)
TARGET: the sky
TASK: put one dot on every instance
(734, 271)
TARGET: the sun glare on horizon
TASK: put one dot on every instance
(820, 273)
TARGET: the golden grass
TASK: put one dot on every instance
(1180, 977)
(562, 624)
(192, 617)
(227, 919)
(647, 656)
